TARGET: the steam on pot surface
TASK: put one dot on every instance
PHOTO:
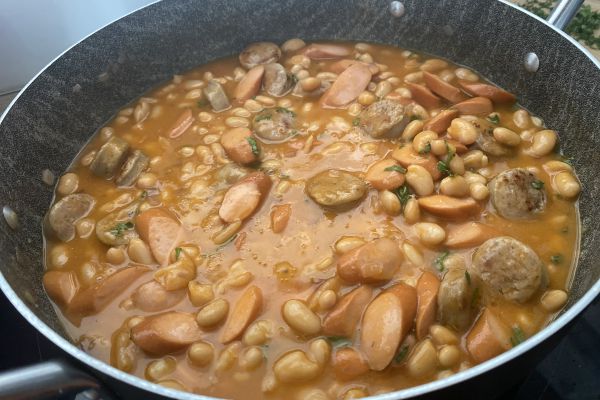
(313, 220)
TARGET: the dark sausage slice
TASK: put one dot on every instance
(133, 167)
(508, 267)
(110, 157)
(516, 194)
(216, 96)
(384, 118)
(275, 125)
(259, 53)
(276, 81)
(454, 299)
(166, 333)
(336, 188)
(66, 212)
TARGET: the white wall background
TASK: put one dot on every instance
(34, 32)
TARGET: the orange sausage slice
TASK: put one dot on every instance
(348, 85)
(343, 319)
(443, 88)
(469, 234)
(249, 85)
(160, 230)
(493, 93)
(449, 207)
(247, 308)
(488, 337)
(386, 322)
(427, 290)
(166, 333)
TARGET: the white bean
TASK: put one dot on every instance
(420, 180)
(429, 233)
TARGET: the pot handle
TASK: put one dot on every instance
(563, 13)
(49, 379)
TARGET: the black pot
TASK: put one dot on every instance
(67, 102)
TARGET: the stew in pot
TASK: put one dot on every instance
(313, 221)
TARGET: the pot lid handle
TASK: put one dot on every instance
(563, 13)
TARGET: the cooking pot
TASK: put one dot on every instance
(59, 110)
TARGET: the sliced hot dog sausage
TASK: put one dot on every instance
(427, 291)
(344, 317)
(160, 230)
(488, 338)
(165, 333)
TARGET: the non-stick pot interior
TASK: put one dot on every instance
(75, 95)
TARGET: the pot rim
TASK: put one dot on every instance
(411, 392)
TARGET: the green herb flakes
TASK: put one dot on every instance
(178, 251)
(403, 194)
(556, 259)
(468, 277)
(283, 110)
(253, 146)
(518, 336)
(338, 341)
(537, 184)
(356, 121)
(396, 168)
(262, 117)
(401, 355)
(426, 149)
(439, 260)
(494, 119)
(120, 228)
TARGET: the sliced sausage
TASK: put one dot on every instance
(346, 88)
(441, 121)
(373, 262)
(384, 118)
(166, 333)
(475, 106)
(515, 194)
(95, 298)
(243, 198)
(493, 93)
(343, 319)
(488, 338)
(181, 124)
(449, 207)
(348, 363)
(246, 310)
(455, 296)
(508, 267)
(335, 188)
(259, 53)
(160, 230)
(117, 228)
(385, 175)
(135, 164)
(443, 88)
(152, 297)
(65, 212)
(275, 126)
(469, 234)
(340, 66)
(407, 156)
(216, 96)
(61, 286)
(276, 81)
(424, 96)
(323, 51)
(110, 157)
(240, 145)
(386, 322)
(250, 84)
(427, 293)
